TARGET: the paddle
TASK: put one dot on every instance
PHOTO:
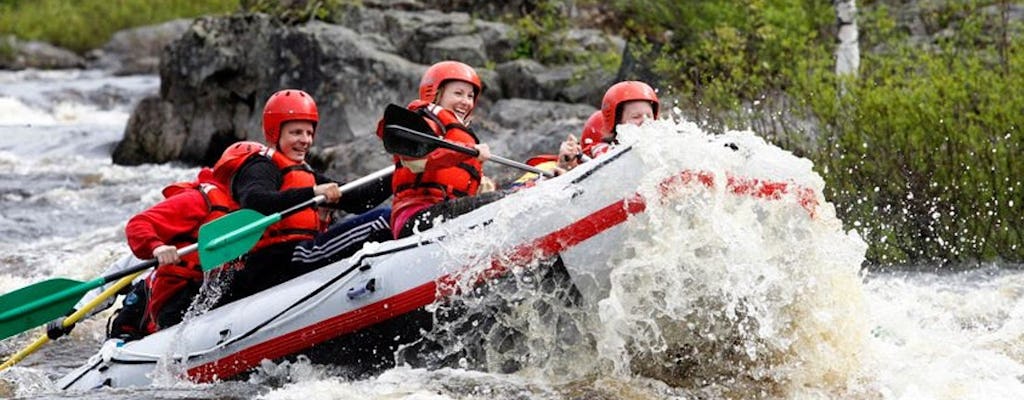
(72, 319)
(407, 133)
(234, 234)
(41, 302)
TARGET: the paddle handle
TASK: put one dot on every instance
(146, 265)
(517, 164)
(379, 174)
(72, 319)
(420, 136)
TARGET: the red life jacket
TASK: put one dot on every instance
(168, 280)
(302, 225)
(439, 184)
(547, 162)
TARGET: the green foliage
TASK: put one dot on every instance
(87, 24)
(719, 54)
(542, 33)
(920, 151)
(298, 11)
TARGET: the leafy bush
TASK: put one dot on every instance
(87, 24)
(542, 33)
(919, 151)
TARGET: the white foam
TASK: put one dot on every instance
(15, 112)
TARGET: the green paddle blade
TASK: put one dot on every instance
(39, 303)
(230, 236)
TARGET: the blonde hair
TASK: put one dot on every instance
(440, 92)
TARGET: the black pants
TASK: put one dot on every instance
(449, 209)
(276, 264)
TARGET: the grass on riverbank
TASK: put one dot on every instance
(87, 24)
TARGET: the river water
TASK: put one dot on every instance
(704, 304)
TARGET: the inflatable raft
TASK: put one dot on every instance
(386, 286)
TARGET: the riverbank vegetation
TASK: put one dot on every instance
(920, 150)
(83, 25)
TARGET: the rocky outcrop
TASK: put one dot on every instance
(217, 74)
(138, 50)
(215, 78)
(18, 54)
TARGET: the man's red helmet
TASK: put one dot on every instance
(287, 105)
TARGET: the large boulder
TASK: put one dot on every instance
(19, 54)
(137, 50)
(217, 76)
(427, 36)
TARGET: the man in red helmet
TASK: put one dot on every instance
(445, 183)
(627, 102)
(272, 178)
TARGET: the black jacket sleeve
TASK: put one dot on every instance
(364, 197)
(257, 186)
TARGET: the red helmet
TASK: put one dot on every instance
(232, 158)
(445, 71)
(623, 92)
(287, 105)
(592, 132)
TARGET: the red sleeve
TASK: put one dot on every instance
(179, 215)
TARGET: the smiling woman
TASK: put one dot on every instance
(73, 24)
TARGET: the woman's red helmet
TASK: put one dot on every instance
(287, 105)
(623, 92)
(445, 71)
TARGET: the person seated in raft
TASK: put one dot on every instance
(162, 297)
(570, 154)
(445, 183)
(158, 232)
(628, 102)
(272, 178)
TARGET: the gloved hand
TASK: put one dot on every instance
(55, 329)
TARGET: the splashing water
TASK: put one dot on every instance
(730, 295)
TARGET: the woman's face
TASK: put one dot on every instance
(457, 97)
(635, 112)
(296, 139)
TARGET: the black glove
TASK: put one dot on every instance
(55, 329)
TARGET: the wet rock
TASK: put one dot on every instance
(426, 36)
(217, 75)
(157, 134)
(578, 84)
(18, 54)
(138, 50)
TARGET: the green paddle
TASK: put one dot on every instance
(39, 303)
(220, 240)
(234, 234)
